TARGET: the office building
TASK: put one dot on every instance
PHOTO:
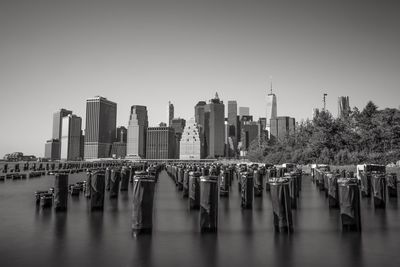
(244, 111)
(170, 113)
(52, 149)
(232, 132)
(160, 143)
(137, 132)
(71, 138)
(215, 127)
(190, 145)
(282, 127)
(101, 119)
(343, 107)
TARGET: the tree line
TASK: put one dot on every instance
(367, 136)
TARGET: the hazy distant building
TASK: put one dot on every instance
(244, 111)
(101, 119)
(121, 134)
(137, 132)
(282, 127)
(199, 111)
(215, 129)
(190, 144)
(271, 109)
(52, 149)
(262, 122)
(315, 112)
(178, 124)
(170, 113)
(160, 143)
(71, 138)
(343, 107)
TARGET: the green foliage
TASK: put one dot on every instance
(371, 135)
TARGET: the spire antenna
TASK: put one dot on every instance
(270, 78)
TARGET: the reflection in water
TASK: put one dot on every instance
(95, 219)
(283, 248)
(209, 248)
(352, 244)
(60, 225)
(143, 251)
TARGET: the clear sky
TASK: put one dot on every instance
(56, 54)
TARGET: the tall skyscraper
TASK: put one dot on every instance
(232, 119)
(343, 107)
(71, 137)
(215, 132)
(200, 120)
(244, 111)
(57, 122)
(170, 113)
(190, 144)
(101, 120)
(271, 108)
(137, 132)
(160, 143)
(282, 127)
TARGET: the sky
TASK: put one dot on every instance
(56, 54)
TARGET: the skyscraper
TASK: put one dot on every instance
(249, 133)
(244, 111)
(52, 149)
(343, 107)
(160, 143)
(215, 132)
(170, 113)
(232, 122)
(200, 120)
(101, 119)
(271, 109)
(71, 137)
(57, 122)
(190, 142)
(137, 132)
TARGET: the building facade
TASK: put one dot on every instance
(137, 132)
(101, 119)
(190, 145)
(282, 127)
(71, 138)
(160, 143)
(178, 124)
(249, 133)
(232, 129)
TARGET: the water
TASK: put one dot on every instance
(36, 237)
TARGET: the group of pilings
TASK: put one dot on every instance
(111, 180)
(202, 184)
(345, 191)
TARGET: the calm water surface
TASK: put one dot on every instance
(30, 236)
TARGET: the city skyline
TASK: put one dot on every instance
(61, 54)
